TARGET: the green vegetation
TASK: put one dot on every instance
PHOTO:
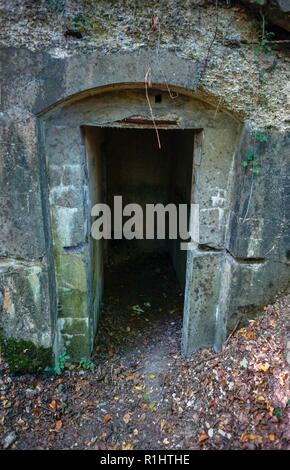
(59, 367)
(81, 23)
(24, 356)
(57, 6)
(265, 44)
(252, 163)
(87, 364)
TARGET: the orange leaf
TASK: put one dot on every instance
(53, 405)
(203, 437)
(58, 425)
(107, 418)
(251, 437)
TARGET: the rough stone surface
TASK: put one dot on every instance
(24, 302)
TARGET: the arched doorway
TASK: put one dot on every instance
(74, 138)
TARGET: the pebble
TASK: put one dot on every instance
(60, 388)
(9, 440)
(29, 392)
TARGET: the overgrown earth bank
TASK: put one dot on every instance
(142, 394)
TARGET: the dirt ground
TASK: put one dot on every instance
(143, 394)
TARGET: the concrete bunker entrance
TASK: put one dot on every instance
(105, 144)
(138, 280)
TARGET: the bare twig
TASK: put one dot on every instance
(212, 41)
(147, 81)
(233, 331)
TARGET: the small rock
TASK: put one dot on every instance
(29, 392)
(60, 388)
(9, 440)
(233, 40)
(210, 432)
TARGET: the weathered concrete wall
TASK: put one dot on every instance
(245, 219)
(94, 141)
(138, 171)
(181, 190)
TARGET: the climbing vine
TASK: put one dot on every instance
(252, 162)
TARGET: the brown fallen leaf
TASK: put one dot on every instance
(53, 405)
(251, 437)
(58, 425)
(107, 418)
(127, 417)
(203, 437)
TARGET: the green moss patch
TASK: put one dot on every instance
(23, 356)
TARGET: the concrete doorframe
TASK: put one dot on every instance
(68, 207)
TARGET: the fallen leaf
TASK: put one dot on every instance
(53, 405)
(107, 418)
(272, 437)
(203, 437)
(58, 425)
(127, 417)
(251, 437)
(264, 367)
(128, 446)
(152, 376)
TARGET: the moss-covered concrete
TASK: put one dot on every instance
(23, 356)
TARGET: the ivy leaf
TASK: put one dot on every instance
(257, 170)
(278, 412)
(261, 137)
(251, 156)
